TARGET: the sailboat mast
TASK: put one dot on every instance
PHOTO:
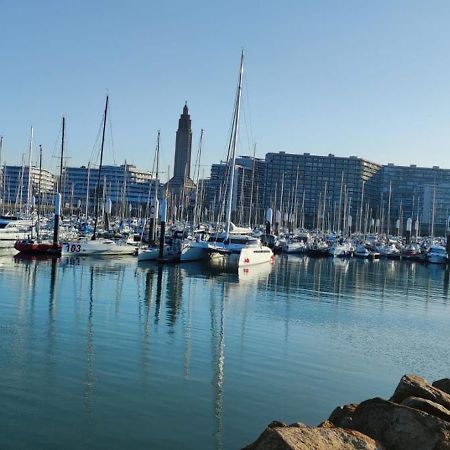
(30, 187)
(197, 207)
(87, 189)
(234, 143)
(94, 236)
(39, 194)
(389, 209)
(3, 177)
(58, 197)
(252, 186)
(61, 163)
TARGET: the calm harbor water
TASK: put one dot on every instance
(114, 354)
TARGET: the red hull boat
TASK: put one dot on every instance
(37, 248)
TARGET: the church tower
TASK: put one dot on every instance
(183, 146)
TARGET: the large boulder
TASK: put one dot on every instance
(342, 415)
(435, 409)
(414, 386)
(399, 427)
(302, 437)
(443, 385)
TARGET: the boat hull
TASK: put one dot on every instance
(37, 248)
(98, 247)
(245, 257)
(437, 259)
(152, 254)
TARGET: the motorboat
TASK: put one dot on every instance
(294, 246)
(437, 254)
(171, 252)
(361, 251)
(411, 252)
(317, 247)
(341, 250)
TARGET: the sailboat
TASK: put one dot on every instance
(13, 228)
(170, 250)
(37, 246)
(237, 250)
(97, 246)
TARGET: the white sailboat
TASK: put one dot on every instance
(97, 246)
(237, 250)
(13, 229)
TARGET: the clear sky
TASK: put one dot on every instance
(353, 77)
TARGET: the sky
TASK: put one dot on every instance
(354, 77)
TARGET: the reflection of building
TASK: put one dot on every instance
(183, 146)
(174, 293)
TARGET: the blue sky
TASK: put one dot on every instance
(370, 79)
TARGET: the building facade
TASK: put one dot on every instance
(15, 187)
(125, 185)
(421, 193)
(181, 180)
(328, 192)
(247, 207)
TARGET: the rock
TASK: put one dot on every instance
(342, 415)
(399, 427)
(435, 409)
(443, 385)
(326, 424)
(302, 437)
(276, 424)
(414, 386)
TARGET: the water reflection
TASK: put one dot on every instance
(157, 338)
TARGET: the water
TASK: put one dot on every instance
(111, 354)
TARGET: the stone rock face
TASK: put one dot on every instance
(302, 437)
(417, 417)
(342, 415)
(443, 385)
(435, 409)
(399, 427)
(414, 386)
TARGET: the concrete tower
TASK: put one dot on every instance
(183, 146)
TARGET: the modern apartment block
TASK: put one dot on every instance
(247, 207)
(124, 185)
(15, 182)
(321, 191)
(421, 193)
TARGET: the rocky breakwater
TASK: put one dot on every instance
(416, 417)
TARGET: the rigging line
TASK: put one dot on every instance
(246, 130)
(56, 149)
(96, 147)
(246, 85)
(111, 137)
(155, 156)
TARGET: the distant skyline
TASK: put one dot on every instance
(369, 79)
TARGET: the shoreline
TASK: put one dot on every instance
(417, 416)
